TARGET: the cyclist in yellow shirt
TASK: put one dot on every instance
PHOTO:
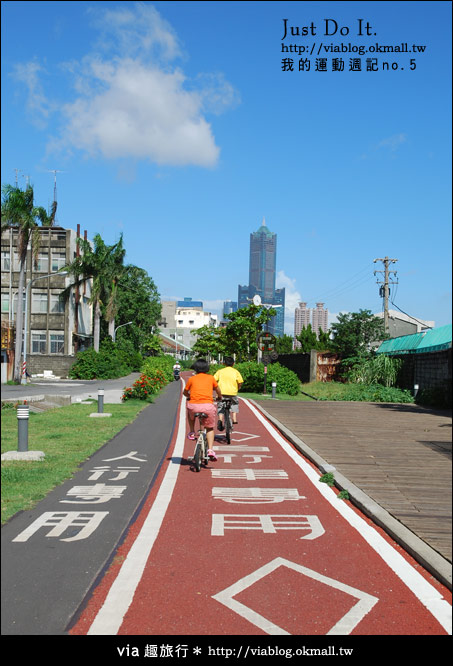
(230, 381)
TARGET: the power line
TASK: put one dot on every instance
(411, 317)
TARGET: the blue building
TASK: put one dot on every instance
(262, 269)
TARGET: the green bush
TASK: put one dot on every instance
(107, 363)
(358, 392)
(163, 363)
(145, 386)
(253, 376)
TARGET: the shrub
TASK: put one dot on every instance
(162, 363)
(253, 376)
(145, 386)
(107, 363)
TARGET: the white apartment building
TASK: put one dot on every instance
(318, 318)
(180, 320)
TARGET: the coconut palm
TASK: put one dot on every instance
(18, 211)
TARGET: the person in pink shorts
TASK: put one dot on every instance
(199, 393)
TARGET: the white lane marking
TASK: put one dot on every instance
(424, 591)
(342, 628)
(110, 617)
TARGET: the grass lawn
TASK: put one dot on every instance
(67, 436)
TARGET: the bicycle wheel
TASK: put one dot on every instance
(198, 453)
(227, 426)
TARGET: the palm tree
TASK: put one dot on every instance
(103, 265)
(116, 270)
(18, 211)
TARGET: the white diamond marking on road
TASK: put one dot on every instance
(342, 628)
(246, 436)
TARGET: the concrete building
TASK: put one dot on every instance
(320, 318)
(317, 317)
(54, 331)
(402, 324)
(180, 320)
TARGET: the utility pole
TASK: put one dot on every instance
(384, 291)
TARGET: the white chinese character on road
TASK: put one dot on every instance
(268, 524)
(122, 472)
(256, 495)
(249, 474)
(97, 494)
(85, 522)
(130, 455)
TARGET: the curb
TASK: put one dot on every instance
(430, 559)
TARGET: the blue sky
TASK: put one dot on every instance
(176, 124)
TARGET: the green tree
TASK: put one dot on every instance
(100, 263)
(242, 330)
(354, 333)
(18, 211)
(284, 344)
(308, 340)
(137, 301)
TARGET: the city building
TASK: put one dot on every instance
(402, 324)
(262, 271)
(54, 331)
(180, 320)
(317, 317)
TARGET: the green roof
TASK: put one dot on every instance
(435, 339)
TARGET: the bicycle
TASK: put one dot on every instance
(200, 453)
(225, 404)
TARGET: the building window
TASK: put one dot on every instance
(39, 302)
(38, 342)
(57, 343)
(58, 261)
(6, 261)
(5, 301)
(42, 263)
(57, 303)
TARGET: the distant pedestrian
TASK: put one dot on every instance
(230, 381)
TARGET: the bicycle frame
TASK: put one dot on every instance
(200, 453)
(226, 406)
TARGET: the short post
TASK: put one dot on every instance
(23, 414)
(416, 387)
(100, 401)
(274, 389)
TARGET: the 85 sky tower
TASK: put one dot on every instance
(262, 269)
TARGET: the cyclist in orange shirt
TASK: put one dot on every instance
(199, 393)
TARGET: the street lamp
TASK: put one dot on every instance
(114, 332)
(40, 277)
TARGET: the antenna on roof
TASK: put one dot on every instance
(55, 171)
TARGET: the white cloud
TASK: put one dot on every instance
(130, 102)
(292, 299)
(140, 112)
(393, 142)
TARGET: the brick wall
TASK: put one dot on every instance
(59, 365)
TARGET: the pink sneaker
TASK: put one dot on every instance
(212, 455)
(191, 435)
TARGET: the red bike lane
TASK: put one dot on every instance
(254, 544)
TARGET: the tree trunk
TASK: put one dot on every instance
(19, 323)
(97, 326)
(112, 328)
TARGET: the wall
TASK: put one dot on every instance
(59, 365)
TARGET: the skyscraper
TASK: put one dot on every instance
(263, 256)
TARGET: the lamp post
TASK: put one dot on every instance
(114, 332)
(27, 291)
